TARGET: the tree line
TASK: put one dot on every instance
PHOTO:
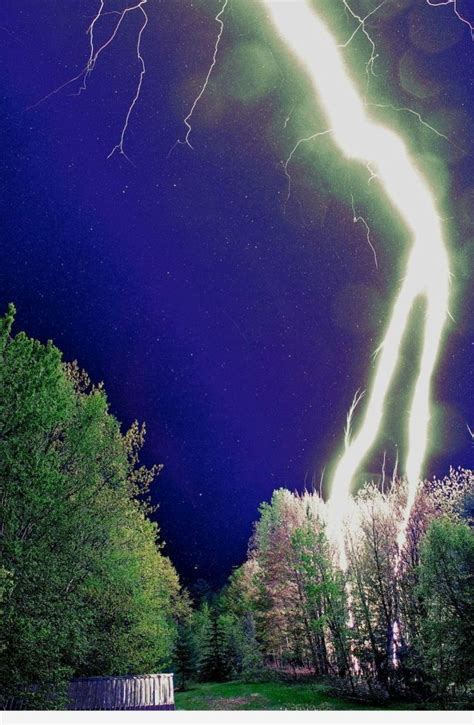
(84, 586)
(396, 621)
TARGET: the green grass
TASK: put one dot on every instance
(263, 696)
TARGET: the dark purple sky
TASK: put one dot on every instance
(239, 333)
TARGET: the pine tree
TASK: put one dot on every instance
(184, 654)
(214, 666)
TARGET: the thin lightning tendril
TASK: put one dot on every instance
(93, 55)
(414, 113)
(460, 17)
(119, 146)
(321, 481)
(427, 272)
(347, 429)
(403, 109)
(356, 219)
(372, 173)
(187, 120)
(287, 119)
(395, 468)
(383, 472)
(292, 153)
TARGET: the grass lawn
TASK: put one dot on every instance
(263, 696)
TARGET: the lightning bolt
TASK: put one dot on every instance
(187, 120)
(427, 268)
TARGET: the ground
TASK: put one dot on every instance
(264, 696)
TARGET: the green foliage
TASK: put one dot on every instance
(251, 661)
(325, 593)
(215, 664)
(184, 654)
(446, 587)
(372, 555)
(216, 644)
(85, 587)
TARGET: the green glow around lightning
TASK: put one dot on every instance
(426, 275)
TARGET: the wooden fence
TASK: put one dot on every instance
(141, 692)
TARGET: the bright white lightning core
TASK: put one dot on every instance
(427, 270)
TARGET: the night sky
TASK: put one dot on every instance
(238, 326)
